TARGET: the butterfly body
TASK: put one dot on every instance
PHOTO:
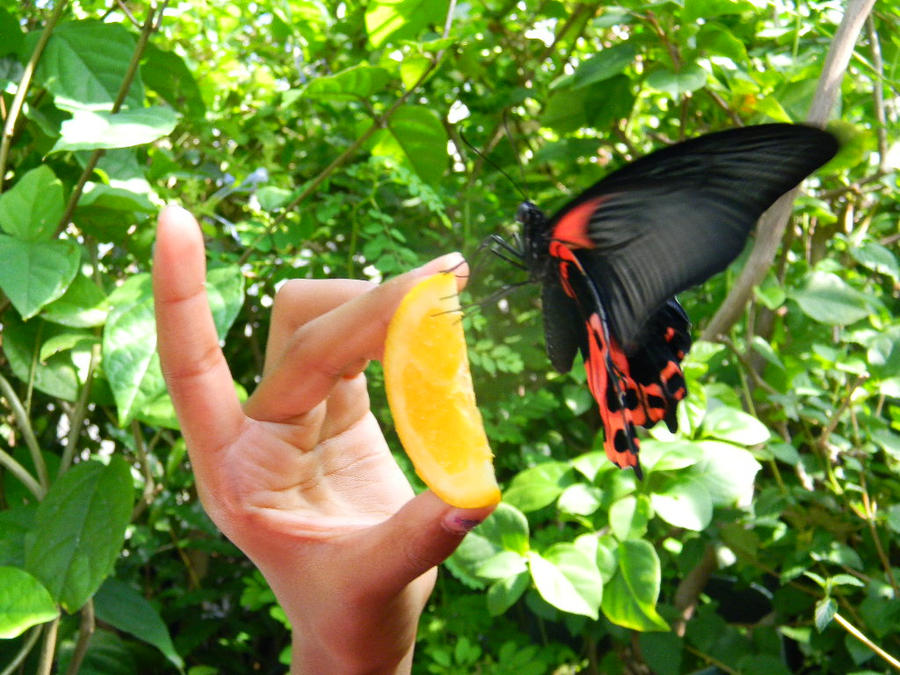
(611, 261)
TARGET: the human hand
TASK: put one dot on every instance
(300, 478)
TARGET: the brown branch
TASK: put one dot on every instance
(771, 226)
(690, 588)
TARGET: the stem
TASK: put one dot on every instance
(39, 487)
(30, 641)
(855, 632)
(85, 630)
(878, 92)
(76, 418)
(19, 99)
(48, 649)
(149, 484)
(116, 106)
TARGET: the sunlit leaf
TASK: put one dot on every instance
(96, 130)
(676, 84)
(358, 82)
(31, 209)
(85, 63)
(24, 602)
(826, 298)
(629, 599)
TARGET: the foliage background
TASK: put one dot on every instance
(325, 138)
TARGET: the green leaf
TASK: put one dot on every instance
(663, 652)
(99, 196)
(129, 337)
(506, 528)
(58, 376)
(601, 66)
(65, 341)
(359, 82)
(727, 472)
(85, 63)
(14, 525)
(580, 499)
(168, 75)
(36, 273)
(826, 298)
(83, 305)
(95, 130)
(122, 607)
(826, 608)
(503, 593)
(504, 564)
(567, 579)
(668, 455)
(877, 258)
(395, 20)
(676, 84)
(717, 39)
(79, 529)
(32, 208)
(735, 426)
(706, 9)
(535, 488)
(629, 516)
(629, 598)
(685, 503)
(412, 69)
(24, 602)
(415, 138)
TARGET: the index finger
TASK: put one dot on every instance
(192, 362)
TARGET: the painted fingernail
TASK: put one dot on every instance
(461, 524)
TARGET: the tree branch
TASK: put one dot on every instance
(770, 229)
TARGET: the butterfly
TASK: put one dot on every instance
(611, 261)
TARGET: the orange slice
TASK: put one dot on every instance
(429, 391)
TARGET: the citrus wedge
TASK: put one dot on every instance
(429, 391)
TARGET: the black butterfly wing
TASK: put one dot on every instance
(673, 218)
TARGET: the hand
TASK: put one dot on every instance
(301, 478)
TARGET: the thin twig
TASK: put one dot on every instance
(117, 105)
(878, 93)
(19, 99)
(39, 488)
(79, 412)
(48, 648)
(28, 645)
(855, 632)
(85, 630)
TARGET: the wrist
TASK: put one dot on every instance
(312, 657)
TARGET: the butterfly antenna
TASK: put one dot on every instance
(494, 165)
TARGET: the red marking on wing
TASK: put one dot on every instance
(571, 229)
(620, 443)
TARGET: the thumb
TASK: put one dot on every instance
(420, 536)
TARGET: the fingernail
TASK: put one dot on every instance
(445, 263)
(460, 523)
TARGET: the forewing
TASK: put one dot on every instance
(674, 218)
